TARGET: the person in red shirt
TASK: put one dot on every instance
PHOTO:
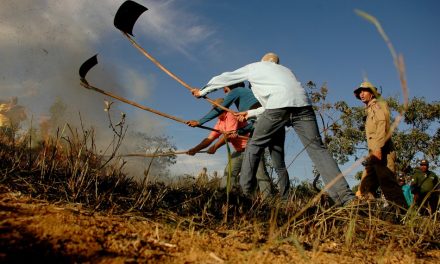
(228, 124)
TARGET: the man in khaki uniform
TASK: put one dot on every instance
(380, 168)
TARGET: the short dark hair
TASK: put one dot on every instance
(233, 86)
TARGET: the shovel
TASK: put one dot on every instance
(125, 18)
(90, 63)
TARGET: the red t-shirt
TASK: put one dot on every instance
(229, 122)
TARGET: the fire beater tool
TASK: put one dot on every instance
(125, 18)
(90, 63)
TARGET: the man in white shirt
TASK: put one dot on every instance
(284, 103)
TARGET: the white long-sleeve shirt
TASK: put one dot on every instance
(274, 85)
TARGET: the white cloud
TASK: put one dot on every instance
(176, 28)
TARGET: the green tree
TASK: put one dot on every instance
(156, 144)
(416, 137)
(342, 126)
(419, 136)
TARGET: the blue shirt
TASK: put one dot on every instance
(406, 189)
(242, 97)
(274, 85)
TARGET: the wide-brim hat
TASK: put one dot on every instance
(366, 86)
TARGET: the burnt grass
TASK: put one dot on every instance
(72, 173)
(60, 174)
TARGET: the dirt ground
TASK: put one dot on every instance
(37, 231)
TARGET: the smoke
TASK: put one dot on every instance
(43, 46)
(44, 43)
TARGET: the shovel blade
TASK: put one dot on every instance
(127, 15)
(87, 65)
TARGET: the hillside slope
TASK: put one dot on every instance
(35, 230)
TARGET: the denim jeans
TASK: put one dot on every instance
(263, 179)
(270, 132)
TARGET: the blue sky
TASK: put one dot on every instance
(320, 40)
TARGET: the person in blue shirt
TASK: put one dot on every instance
(236, 94)
(244, 100)
(406, 189)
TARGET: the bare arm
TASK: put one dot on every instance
(203, 144)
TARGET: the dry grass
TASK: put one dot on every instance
(61, 201)
(36, 229)
(65, 170)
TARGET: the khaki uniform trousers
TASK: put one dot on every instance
(381, 173)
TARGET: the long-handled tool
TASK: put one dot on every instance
(90, 63)
(153, 155)
(125, 18)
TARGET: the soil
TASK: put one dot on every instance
(38, 231)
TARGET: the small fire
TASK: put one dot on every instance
(11, 114)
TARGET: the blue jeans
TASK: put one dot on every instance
(263, 179)
(270, 132)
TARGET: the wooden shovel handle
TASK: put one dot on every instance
(158, 64)
(85, 84)
(122, 99)
(152, 155)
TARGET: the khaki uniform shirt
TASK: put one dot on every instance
(377, 124)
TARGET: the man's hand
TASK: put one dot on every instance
(232, 134)
(376, 154)
(241, 116)
(191, 152)
(196, 93)
(211, 150)
(192, 123)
